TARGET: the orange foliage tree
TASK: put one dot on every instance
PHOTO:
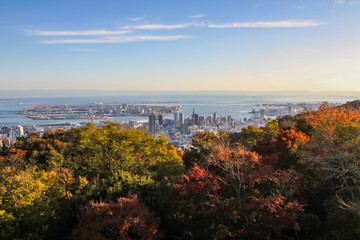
(234, 195)
(281, 152)
(328, 120)
(335, 145)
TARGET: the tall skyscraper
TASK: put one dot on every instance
(195, 118)
(215, 117)
(290, 110)
(152, 128)
(181, 118)
(176, 118)
(161, 119)
(20, 131)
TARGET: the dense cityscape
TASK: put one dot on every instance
(166, 120)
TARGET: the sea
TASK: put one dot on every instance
(236, 104)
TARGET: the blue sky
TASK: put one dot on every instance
(311, 45)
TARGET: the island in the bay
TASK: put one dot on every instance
(98, 110)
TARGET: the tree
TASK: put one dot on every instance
(234, 195)
(250, 135)
(270, 130)
(124, 219)
(201, 147)
(118, 161)
(28, 201)
(336, 139)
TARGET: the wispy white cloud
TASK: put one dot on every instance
(118, 39)
(158, 26)
(339, 2)
(120, 36)
(345, 2)
(198, 16)
(83, 50)
(99, 32)
(300, 7)
(135, 19)
(274, 24)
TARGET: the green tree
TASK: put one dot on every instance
(250, 135)
(28, 201)
(118, 161)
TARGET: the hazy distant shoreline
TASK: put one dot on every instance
(88, 93)
(236, 104)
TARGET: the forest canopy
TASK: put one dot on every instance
(297, 177)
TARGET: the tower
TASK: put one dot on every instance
(195, 118)
(176, 118)
(20, 131)
(161, 119)
(181, 118)
(152, 128)
(290, 110)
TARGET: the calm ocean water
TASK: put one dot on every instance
(235, 104)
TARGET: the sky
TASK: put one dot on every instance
(180, 45)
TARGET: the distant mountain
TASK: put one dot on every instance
(36, 93)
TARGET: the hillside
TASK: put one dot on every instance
(296, 178)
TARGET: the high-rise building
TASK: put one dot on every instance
(201, 120)
(229, 119)
(208, 119)
(161, 119)
(181, 118)
(215, 117)
(176, 118)
(290, 110)
(7, 142)
(20, 131)
(262, 113)
(184, 129)
(13, 134)
(152, 128)
(195, 118)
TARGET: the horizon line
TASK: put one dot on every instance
(170, 90)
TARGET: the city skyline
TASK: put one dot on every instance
(252, 45)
